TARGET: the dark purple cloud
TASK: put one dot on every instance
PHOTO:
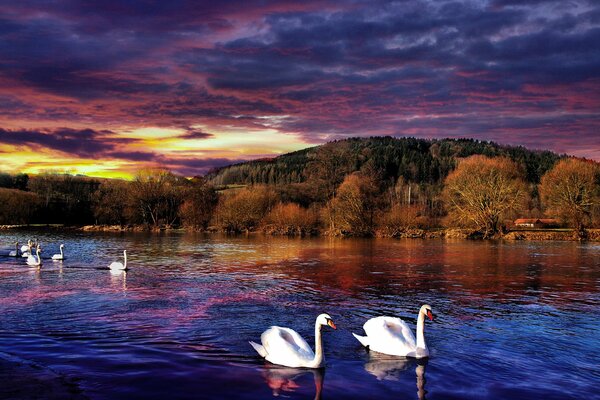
(87, 143)
(520, 72)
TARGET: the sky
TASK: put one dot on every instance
(109, 87)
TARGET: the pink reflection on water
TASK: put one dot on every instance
(29, 296)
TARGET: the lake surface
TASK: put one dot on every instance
(518, 320)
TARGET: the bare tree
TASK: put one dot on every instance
(571, 190)
(352, 210)
(483, 190)
(158, 194)
(200, 201)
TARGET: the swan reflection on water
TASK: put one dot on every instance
(390, 368)
(119, 278)
(281, 379)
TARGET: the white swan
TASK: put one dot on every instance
(389, 335)
(117, 266)
(284, 346)
(26, 247)
(61, 256)
(15, 252)
(35, 260)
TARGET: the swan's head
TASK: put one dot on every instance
(325, 319)
(62, 246)
(426, 310)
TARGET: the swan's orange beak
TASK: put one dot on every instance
(331, 324)
(430, 314)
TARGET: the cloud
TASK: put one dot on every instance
(87, 143)
(321, 69)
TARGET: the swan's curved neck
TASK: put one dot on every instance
(61, 251)
(124, 260)
(318, 347)
(420, 331)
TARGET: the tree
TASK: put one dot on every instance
(484, 190)
(353, 208)
(111, 203)
(200, 201)
(328, 166)
(244, 209)
(157, 194)
(571, 190)
(292, 219)
(17, 207)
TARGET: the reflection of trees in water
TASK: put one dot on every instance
(389, 368)
(281, 379)
(380, 267)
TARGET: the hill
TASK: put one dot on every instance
(415, 160)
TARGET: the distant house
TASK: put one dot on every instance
(537, 223)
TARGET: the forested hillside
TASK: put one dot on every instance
(415, 160)
(373, 186)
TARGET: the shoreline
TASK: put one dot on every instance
(593, 235)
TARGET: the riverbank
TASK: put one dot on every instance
(409, 233)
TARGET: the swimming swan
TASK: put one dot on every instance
(61, 256)
(117, 266)
(26, 247)
(35, 260)
(389, 335)
(15, 252)
(284, 346)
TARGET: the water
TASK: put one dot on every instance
(515, 320)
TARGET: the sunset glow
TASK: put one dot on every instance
(104, 89)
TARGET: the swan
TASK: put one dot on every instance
(26, 247)
(117, 266)
(15, 252)
(389, 335)
(284, 346)
(61, 256)
(35, 260)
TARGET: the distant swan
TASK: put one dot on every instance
(61, 256)
(284, 346)
(389, 335)
(26, 247)
(117, 266)
(35, 260)
(15, 252)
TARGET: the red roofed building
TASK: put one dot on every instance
(538, 223)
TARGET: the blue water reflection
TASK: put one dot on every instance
(513, 320)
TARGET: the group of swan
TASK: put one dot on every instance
(34, 258)
(387, 335)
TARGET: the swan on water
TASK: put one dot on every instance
(15, 252)
(61, 256)
(26, 247)
(390, 335)
(35, 260)
(117, 266)
(284, 346)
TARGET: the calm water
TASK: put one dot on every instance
(514, 320)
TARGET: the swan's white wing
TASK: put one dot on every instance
(285, 346)
(116, 265)
(390, 335)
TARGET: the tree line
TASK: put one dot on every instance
(362, 187)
